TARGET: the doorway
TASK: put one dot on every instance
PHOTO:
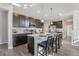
(3, 29)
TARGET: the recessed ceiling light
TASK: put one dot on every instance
(16, 4)
(25, 5)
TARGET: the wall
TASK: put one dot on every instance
(67, 27)
(19, 10)
(76, 25)
(9, 8)
(46, 25)
(0, 27)
(3, 27)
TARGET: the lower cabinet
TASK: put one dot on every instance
(19, 39)
(30, 44)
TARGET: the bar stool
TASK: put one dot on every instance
(45, 46)
(54, 44)
(59, 41)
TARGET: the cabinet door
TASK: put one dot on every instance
(22, 21)
(19, 39)
(30, 44)
(38, 24)
(16, 21)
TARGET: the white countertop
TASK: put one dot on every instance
(22, 33)
(40, 34)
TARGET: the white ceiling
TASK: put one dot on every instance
(42, 10)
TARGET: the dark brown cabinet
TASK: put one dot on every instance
(19, 39)
(25, 22)
(30, 44)
(38, 23)
(16, 21)
(58, 24)
(22, 20)
(19, 21)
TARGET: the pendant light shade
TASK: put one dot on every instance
(42, 20)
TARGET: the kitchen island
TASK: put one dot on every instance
(33, 41)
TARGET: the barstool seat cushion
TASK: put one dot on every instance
(43, 44)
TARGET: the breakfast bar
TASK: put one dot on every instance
(33, 40)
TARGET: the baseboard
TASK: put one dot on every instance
(4, 43)
(7, 43)
(10, 47)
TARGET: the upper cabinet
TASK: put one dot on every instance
(19, 21)
(58, 24)
(22, 20)
(16, 21)
(26, 22)
(38, 23)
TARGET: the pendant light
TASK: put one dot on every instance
(42, 20)
(51, 16)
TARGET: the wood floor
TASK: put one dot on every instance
(66, 50)
(17, 51)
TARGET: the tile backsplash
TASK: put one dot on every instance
(25, 30)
